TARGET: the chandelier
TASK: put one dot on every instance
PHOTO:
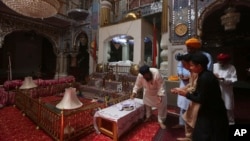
(78, 14)
(34, 8)
(230, 19)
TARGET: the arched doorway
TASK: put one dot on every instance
(29, 53)
(121, 48)
(235, 42)
(148, 52)
(138, 29)
(80, 69)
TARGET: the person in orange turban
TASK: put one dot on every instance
(193, 46)
(193, 43)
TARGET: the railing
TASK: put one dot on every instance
(59, 124)
(63, 125)
(120, 69)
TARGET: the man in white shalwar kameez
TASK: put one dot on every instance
(154, 94)
(226, 73)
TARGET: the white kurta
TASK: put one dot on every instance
(228, 72)
(182, 101)
(152, 90)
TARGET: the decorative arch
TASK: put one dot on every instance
(138, 29)
(216, 39)
(80, 56)
(11, 24)
(78, 35)
(216, 5)
(30, 53)
(209, 10)
(118, 49)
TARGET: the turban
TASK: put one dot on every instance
(223, 57)
(193, 43)
(144, 69)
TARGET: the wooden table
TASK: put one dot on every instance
(113, 121)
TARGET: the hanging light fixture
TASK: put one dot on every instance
(34, 8)
(79, 14)
(230, 19)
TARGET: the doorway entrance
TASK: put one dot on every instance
(27, 53)
(216, 39)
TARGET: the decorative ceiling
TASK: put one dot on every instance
(212, 30)
(60, 21)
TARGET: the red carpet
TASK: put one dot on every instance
(15, 126)
(142, 132)
(169, 134)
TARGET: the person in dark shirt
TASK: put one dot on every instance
(212, 121)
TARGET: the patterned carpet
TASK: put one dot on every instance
(169, 134)
(16, 127)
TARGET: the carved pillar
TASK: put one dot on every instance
(61, 65)
(105, 12)
(58, 66)
(64, 65)
(164, 54)
(125, 51)
(73, 62)
(1, 37)
(164, 21)
(106, 52)
(164, 40)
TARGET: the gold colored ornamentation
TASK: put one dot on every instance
(181, 29)
(99, 68)
(130, 16)
(134, 69)
(230, 19)
(34, 8)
